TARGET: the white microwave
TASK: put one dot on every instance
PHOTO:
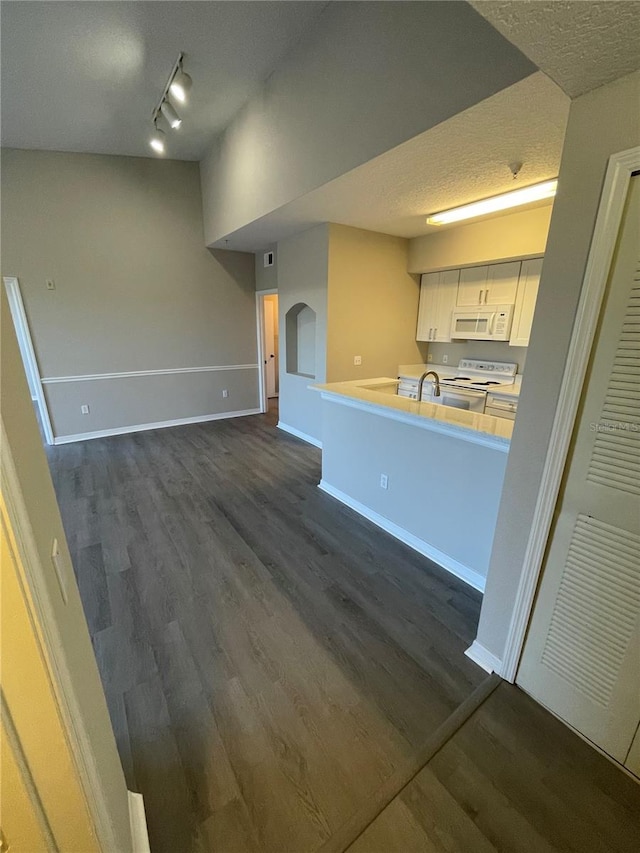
(489, 323)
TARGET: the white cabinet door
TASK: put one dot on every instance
(472, 287)
(525, 302)
(438, 291)
(502, 284)
(447, 295)
(428, 306)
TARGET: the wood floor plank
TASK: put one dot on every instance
(514, 778)
(271, 660)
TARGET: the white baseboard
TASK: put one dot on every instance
(198, 419)
(138, 823)
(484, 658)
(470, 576)
(298, 434)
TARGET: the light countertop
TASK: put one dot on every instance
(380, 395)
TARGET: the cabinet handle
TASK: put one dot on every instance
(430, 332)
(486, 294)
(480, 298)
(435, 333)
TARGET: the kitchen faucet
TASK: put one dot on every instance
(436, 391)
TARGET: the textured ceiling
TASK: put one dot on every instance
(463, 159)
(580, 45)
(85, 76)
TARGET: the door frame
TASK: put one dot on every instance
(21, 324)
(620, 168)
(262, 378)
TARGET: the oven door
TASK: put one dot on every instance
(461, 398)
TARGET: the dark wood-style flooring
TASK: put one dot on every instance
(270, 659)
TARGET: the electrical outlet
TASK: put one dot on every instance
(445, 359)
(51, 285)
(225, 393)
(84, 409)
(357, 360)
(384, 481)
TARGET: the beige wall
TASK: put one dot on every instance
(601, 123)
(136, 290)
(302, 278)
(25, 449)
(512, 235)
(373, 305)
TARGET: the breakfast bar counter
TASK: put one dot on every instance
(429, 475)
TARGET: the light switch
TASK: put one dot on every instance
(51, 285)
(84, 409)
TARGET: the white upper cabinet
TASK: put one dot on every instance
(525, 302)
(438, 291)
(472, 287)
(502, 283)
(491, 284)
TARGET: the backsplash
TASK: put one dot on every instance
(489, 350)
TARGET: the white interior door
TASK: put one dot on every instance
(271, 344)
(582, 654)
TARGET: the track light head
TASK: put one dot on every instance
(171, 115)
(180, 86)
(157, 140)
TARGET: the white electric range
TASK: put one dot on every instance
(465, 387)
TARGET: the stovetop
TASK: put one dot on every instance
(481, 375)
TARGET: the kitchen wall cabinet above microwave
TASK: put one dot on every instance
(438, 294)
(511, 283)
(492, 284)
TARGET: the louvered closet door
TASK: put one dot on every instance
(582, 655)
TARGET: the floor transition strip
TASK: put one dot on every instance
(350, 831)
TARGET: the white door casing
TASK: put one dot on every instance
(582, 655)
(27, 352)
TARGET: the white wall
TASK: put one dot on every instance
(367, 77)
(136, 290)
(601, 123)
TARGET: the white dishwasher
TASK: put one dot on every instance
(501, 407)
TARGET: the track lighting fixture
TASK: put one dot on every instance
(171, 115)
(178, 86)
(157, 140)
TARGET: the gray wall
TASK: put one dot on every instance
(441, 489)
(266, 277)
(367, 77)
(25, 447)
(601, 123)
(136, 290)
(303, 263)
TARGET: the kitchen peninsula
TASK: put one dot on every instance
(430, 475)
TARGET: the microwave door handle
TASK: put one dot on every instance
(492, 322)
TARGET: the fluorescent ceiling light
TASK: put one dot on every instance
(171, 115)
(180, 86)
(157, 140)
(526, 195)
